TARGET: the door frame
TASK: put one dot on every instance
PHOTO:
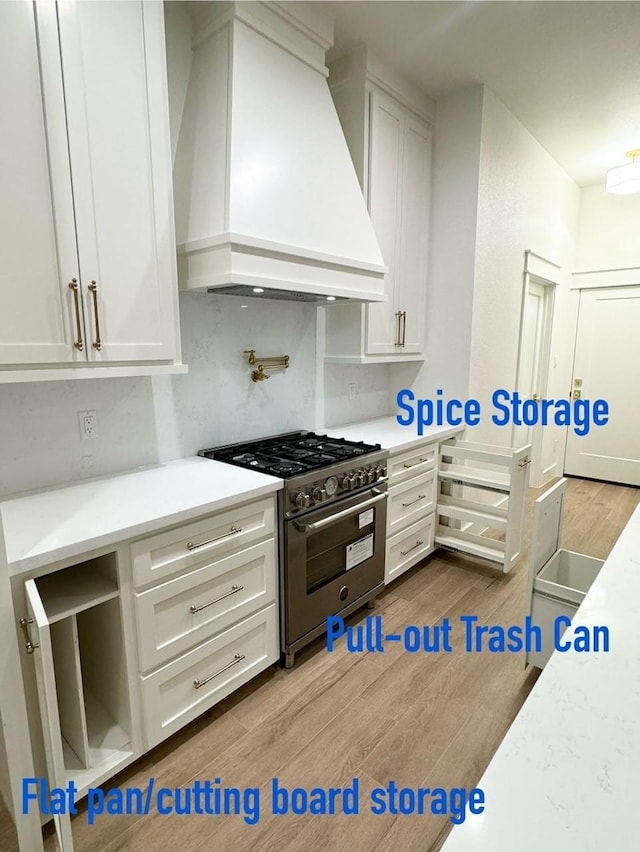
(538, 271)
(583, 282)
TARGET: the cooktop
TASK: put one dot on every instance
(291, 454)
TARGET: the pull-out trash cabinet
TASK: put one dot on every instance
(558, 579)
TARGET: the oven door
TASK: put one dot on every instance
(333, 556)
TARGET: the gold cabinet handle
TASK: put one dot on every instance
(97, 343)
(79, 342)
(236, 659)
(413, 464)
(417, 500)
(405, 552)
(28, 644)
(198, 608)
(232, 531)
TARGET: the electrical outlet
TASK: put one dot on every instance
(88, 425)
(353, 390)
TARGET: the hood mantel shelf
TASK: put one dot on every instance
(266, 192)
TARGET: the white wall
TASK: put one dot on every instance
(608, 230)
(525, 201)
(148, 420)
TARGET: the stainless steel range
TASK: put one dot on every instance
(332, 521)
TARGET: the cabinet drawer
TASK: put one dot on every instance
(221, 593)
(184, 548)
(185, 688)
(405, 465)
(411, 500)
(408, 547)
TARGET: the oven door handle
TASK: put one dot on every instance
(319, 525)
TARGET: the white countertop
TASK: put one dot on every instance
(565, 776)
(52, 525)
(387, 432)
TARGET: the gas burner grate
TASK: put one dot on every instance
(291, 454)
(285, 469)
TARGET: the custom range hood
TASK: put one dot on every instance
(267, 200)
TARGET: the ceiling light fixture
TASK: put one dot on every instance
(625, 180)
(258, 290)
(331, 298)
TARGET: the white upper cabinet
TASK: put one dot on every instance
(36, 317)
(390, 143)
(88, 275)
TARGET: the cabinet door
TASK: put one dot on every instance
(37, 252)
(412, 272)
(385, 171)
(47, 698)
(115, 89)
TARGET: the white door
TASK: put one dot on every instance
(533, 364)
(412, 274)
(385, 171)
(120, 161)
(37, 261)
(48, 701)
(606, 364)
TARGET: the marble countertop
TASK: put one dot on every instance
(387, 432)
(565, 777)
(61, 523)
(49, 526)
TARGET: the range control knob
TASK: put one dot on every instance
(319, 494)
(371, 475)
(302, 500)
(348, 483)
(360, 477)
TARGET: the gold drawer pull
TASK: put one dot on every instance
(232, 531)
(28, 644)
(237, 659)
(78, 343)
(398, 318)
(413, 464)
(417, 500)
(417, 544)
(97, 343)
(234, 589)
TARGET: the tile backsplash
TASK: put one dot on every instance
(146, 420)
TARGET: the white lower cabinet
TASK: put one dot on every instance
(482, 500)
(128, 646)
(456, 495)
(178, 692)
(413, 481)
(558, 579)
(175, 615)
(408, 547)
(76, 636)
(411, 500)
(210, 621)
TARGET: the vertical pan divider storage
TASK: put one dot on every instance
(80, 671)
(482, 499)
